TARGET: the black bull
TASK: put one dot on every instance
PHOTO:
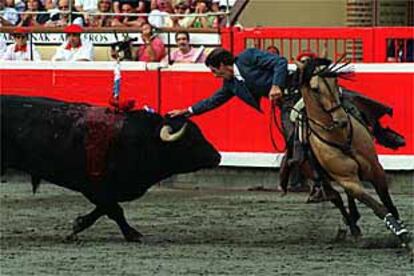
(108, 157)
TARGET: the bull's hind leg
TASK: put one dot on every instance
(116, 213)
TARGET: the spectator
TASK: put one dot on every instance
(400, 50)
(201, 21)
(18, 5)
(128, 21)
(153, 49)
(185, 53)
(9, 17)
(160, 9)
(74, 48)
(20, 50)
(104, 6)
(219, 20)
(3, 47)
(178, 21)
(33, 19)
(86, 5)
(62, 19)
(273, 50)
(162, 5)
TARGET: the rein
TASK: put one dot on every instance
(273, 122)
(346, 148)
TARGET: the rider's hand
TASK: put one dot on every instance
(178, 112)
(275, 93)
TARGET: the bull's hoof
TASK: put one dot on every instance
(71, 238)
(133, 235)
(79, 224)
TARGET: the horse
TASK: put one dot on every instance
(344, 148)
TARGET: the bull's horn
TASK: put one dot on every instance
(300, 65)
(167, 136)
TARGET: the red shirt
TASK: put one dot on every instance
(158, 47)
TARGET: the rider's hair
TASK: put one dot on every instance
(218, 56)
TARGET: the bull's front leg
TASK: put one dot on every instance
(116, 213)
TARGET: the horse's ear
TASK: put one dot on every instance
(324, 53)
(300, 65)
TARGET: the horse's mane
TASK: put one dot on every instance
(325, 68)
(335, 70)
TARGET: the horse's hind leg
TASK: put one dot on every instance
(379, 182)
(353, 186)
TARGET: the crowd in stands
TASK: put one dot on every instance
(92, 13)
(74, 48)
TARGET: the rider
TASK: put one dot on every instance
(364, 109)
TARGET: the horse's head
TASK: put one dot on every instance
(318, 81)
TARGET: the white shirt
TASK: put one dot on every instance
(10, 14)
(85, 51)
(3, 47)
(87, 5)
(157, 18)
(10, 54)
(237, 74)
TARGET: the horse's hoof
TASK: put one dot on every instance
(356, 232)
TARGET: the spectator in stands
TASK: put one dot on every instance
(52, 7)
(74, 48)
(400, 50)
(181, 8)
(3, 47)
(162, 5)
(160, 9)
(62, 19)
(201, 7)
(185, 53)
(9, 15)
(128, 21)
(32, 19)
(20, 50)
(153, 49)
(104, 6)
(273, 50)
(219, 20)
(86, 5)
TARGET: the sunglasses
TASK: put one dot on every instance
(63, 7)
(19, 36)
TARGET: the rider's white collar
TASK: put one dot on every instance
(237, 74)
